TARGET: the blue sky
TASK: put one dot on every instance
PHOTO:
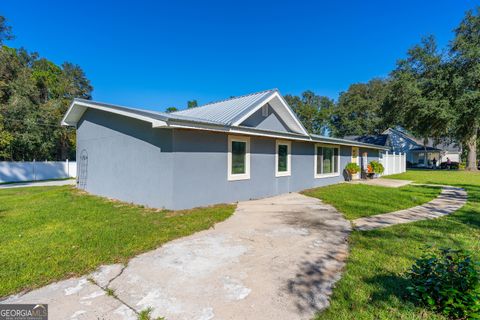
(156, 54)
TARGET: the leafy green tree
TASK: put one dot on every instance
(419, 99)
(359, 109)
(314, 111)
(5, 141)
(465, 61)
(192, 104)
(436, 93)
(171, 109)
(34, 95)
(5, 31)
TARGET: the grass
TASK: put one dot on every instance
(50, 233)
(373, 286)
(360, 200)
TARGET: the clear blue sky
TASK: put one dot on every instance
(156, 54)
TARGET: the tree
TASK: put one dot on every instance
(313, 111)
(192, 104)
(359, 109)
(171, 109)
(5, 140)
(5, 31)
(437, 93)
(419, 99)
(34, 95)
(465, 55)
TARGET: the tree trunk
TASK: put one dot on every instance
(472, 152)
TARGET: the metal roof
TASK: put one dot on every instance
(213, 116)
(227, 111)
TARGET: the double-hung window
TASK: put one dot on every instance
(283, 158)
(327, 161)
(238, 158)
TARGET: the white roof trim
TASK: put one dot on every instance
(78, 108)
(300, 129)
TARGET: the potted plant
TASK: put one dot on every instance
(375, 168)
(351, 169)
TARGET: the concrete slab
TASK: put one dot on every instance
(38, 184)
(449, 200)
(383, 182)
(275, 258)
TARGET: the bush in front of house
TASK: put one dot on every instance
(453, 165)
(446, 281)
(377, 167)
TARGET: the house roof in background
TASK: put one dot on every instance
(442, 145)
(380, 139)
(211, 120)
(420, 149)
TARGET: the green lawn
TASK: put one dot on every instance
(50, 233)
(360, 200)
(372, 286)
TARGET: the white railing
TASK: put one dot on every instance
(17, 171)
(393, 163)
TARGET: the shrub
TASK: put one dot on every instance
(447, 281)
(453, 165)
(352, 168)
(377, 167)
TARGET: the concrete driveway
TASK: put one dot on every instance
(275, 258)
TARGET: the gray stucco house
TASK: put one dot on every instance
(242, 148)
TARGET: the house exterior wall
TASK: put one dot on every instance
(179, 168)
(201, 168)
(271, 122)
(127, 160)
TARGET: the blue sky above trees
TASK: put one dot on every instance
(156, 54)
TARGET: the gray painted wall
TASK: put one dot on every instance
(178, 169)
(272, 122)
(200, 168)
(127, 160)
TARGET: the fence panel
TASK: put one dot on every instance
(393, 163)
(17, 171)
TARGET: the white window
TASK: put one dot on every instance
(265, 110)
(283, 158)
(238, 158)
(327, 161)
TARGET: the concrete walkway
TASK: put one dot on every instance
(50, 183)
(275, 258)
(383, 182)
(449, 200)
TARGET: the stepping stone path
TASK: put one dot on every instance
(449, 200)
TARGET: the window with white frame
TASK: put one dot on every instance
(238, 158)
(327, 161)
(283, 158)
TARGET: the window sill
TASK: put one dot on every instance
(236, 177)
(283, 174)
(326, 175)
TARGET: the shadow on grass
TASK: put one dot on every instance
(389, 286)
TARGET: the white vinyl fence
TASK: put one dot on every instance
(394, 163)
(17, 171)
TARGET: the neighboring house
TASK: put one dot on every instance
(417, 153)
(242, 148)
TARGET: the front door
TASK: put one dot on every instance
(356, 159)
